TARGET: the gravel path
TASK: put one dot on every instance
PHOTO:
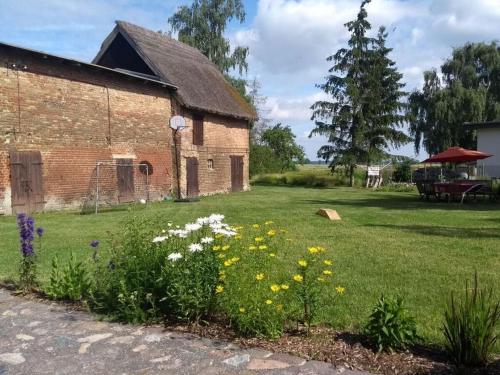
(41, 338)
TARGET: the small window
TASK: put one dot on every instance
(198, 130)
(210, 164)
(146, 168)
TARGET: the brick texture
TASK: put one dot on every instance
(76, 117)
(223, 138)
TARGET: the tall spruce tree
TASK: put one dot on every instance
(366, 114)
(384, 106)
(342, 120)
(469, 90)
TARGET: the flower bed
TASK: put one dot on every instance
(209, 267)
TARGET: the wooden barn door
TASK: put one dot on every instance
(125, 177)
(26, 181)
(192, 177)
(236, 173)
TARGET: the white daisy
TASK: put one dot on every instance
(192, 227)
(159, 239)
(174, 257)
(207, 240)
(216, 218)
(203, 220)
(195, 247)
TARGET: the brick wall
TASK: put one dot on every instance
(223, 137)
(76, 117)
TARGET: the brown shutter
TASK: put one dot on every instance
(198, 130)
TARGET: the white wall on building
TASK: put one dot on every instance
(488, 140)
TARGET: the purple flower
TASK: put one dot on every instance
(26, 227)
(94, 244)
(39, 231)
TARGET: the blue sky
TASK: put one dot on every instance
(288, 39)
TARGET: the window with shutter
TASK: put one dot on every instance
(198, 130)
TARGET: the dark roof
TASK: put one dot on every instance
(94, 67)
(482, 125)
(201, 86)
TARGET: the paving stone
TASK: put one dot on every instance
(12, 358)
(53, 340)
(266, 364)
(237, 360)
(94, 338)
(24, 337)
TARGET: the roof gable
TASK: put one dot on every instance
(201, 86)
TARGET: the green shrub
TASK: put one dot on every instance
(397, 187)
(257, 291)
(402, 171)
(390, 325)
(263, 160)
(159, 273)
(307, 176)
(471, 325)
(70, 282)
(312, 279)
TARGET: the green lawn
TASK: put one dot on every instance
(386, 243)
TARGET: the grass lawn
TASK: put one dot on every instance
(389, 243)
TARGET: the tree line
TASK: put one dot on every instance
(367, 112)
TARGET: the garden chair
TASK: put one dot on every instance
(478, 189)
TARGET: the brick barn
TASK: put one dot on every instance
(73, 133)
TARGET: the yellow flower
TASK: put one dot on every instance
(216, 248)
(256, 226)
(237, 237)
(328, 262)
(235, 259)
(279, 307)
(242, 310)
(271, 233)
(262, 247)
(228, 263)
(219, 289)
(321, 249)
(340, 290)
(221, 256)
(269, 302)
(327, 272)
(259, 277)
(222, 277)
(259, 239)
(284, 286)
(272, 255)
(302, 263)
(275, 288)
(320, 279)
(225, 247)
(252, 247)
(298, 278)
(313, 250)
(269, 222)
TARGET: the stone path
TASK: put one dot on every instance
(40, 338)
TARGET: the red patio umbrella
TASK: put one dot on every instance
(457, 155)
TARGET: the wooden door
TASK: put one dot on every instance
(125, 180)
(236, 173)
(192, 177)
(26, 181)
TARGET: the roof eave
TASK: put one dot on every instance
(45, 55)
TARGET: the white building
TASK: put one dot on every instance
(488, 140)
